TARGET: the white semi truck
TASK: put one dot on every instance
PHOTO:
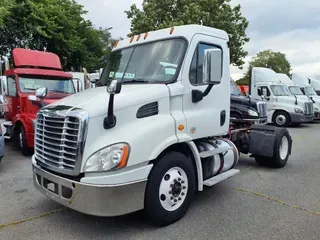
(315, 84)
(149, 142)
(298, 94)
(304, 83)
(283, 107)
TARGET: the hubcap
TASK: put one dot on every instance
(284, 147)
(20, 140)
(281, 119)
(173, 189)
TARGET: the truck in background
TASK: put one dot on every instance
(245, 108)
(298, 94)
(152, 140)
(283, 107)
(33, 70)
(315, 83)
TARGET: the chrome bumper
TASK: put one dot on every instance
(259, 121)
(98, 200)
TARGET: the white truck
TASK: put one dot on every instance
(149, 142)
(305, 86)
(315, 83)
(298, 94)
(283, 107)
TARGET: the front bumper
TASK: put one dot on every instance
(259, 121)
(92, 199)
(300, 118)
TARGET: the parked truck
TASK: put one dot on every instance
(298, 94)
(244, 108)
(32, 70)
(283, 107)
(151, 141)
(304, 83)
(315, 84)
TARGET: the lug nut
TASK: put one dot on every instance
(182, 193)
(175, 180)
(183, 187)
(179, 198)
(179, 179)
(182, 182)
(171, 198)
(175, 200)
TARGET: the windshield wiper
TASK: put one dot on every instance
(136, 80)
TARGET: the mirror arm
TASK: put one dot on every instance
(198, 95)
(110, 120)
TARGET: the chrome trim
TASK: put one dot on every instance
(64, 164)
(262, 109)
(308, 108)
(98, 200)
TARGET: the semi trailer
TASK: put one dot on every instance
(150, 137)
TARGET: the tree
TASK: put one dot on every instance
(56, 26)
(214, 13)
(276, 61)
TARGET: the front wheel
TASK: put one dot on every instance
(20, 141)
(170, 188)
(281, 119)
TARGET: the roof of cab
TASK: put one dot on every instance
(187, 31)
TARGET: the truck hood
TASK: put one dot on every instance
(95, 100)
(242, 100)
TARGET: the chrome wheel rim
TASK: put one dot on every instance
(173, 189)
(284, 148)
(281, 119)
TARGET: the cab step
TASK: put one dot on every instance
(216, 151)
(223, 176)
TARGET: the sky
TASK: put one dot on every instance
(288, 26)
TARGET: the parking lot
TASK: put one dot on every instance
(259, 203)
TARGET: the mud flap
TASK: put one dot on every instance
(262, 140)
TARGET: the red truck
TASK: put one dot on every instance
(32, 70)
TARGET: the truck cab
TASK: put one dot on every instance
(154, 133)
(306, 88)
(298, 94)
(315, 83)
(245, 108)
(32, 70)
(283, 107)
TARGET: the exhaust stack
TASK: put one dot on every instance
(6, 63)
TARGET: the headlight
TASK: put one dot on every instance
(298, 110)
(114, 156)
(253, 113)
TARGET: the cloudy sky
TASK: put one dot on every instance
(289, 26)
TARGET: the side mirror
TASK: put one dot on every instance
(264, 92)
(212, 66)
(114, 87)
(41, 92)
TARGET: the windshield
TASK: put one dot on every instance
(155, 62)
(280, 90)
(310, 91)
(295, 90)
(28, 85)
(234, 89)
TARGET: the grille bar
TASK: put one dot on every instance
(59, 139)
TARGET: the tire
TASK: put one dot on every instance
(282, 149)
(281, 119)
(165, 200)
(20, 141)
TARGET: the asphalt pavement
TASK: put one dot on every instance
(259, 203)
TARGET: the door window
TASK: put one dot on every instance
(196, 68)
(12, 89)
(260, 91)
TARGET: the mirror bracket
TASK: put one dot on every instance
(198, 95)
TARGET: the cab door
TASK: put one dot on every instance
(11, 108)
(210, 116)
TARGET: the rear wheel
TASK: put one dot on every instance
(170, 188)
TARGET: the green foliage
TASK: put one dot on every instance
(214, 13)
(55, 26)
(276, 61)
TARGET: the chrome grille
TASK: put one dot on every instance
(262, 109)
(308, 108)
(59, 140)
